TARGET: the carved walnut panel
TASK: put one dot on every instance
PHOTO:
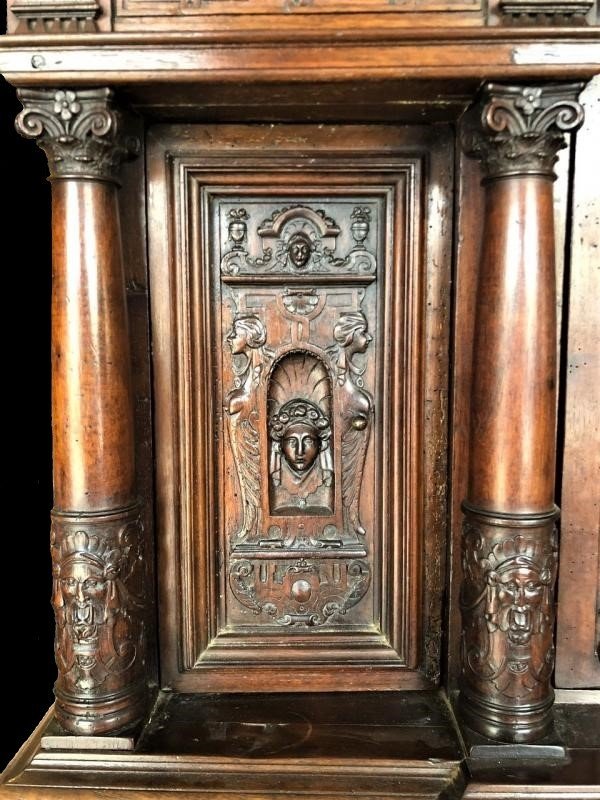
(299, 377)
(292, 385)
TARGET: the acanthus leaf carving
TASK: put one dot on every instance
(79, 130)
(518, 130)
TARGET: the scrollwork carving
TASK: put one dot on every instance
(518, 130)
(301, 592)
(299, 240)
(80, 131)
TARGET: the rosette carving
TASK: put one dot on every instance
(80, 132)
(518, 130)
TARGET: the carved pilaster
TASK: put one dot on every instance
(509, 536)
(80, 131)
(97, 536)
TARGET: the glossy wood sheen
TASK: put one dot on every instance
(514, 388)
(92, 410)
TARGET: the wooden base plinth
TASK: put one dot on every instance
(365, 745)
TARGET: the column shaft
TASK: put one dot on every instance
(97, 535)
(509, 542)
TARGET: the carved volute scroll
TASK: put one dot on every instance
(97, 533)
(518, 130)
(79, 130)
(299, 415)
(509, 535)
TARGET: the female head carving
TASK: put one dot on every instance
(351, 332)
(302, 431)
(247, 331)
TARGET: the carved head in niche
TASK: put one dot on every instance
(302, 431)
(351, 332)
(300, 249)
(247, 332)
(518, 593)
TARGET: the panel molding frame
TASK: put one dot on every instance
(195, 656)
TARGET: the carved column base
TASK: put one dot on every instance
(524, 725)
(507, 604)
(97, 599)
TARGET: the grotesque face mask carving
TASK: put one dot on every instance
(84, 590)
(300, 250)
(300, 446)
(519, 596)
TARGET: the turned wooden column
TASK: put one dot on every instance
(96, 535)
(510, 520)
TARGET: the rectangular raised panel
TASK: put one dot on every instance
(299, 316)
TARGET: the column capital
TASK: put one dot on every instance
(80, 131)
(518, 130)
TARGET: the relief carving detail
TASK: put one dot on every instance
(297, 240)
(247, 342)
(507, 602)
(301, 592)
(356, 412)
(80, 131)
(299, 416)
(97, 601)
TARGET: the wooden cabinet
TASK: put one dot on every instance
(323, 359)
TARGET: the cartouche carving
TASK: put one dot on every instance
(80, 131)
(518, 130)
(247, 340)
(355, 411)
(297, 240)
(507, 602)
(300, 592)
(300, 428)
(97, 600)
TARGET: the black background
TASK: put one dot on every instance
(27, 669)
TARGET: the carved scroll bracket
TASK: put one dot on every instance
(518, 130)
(80, 131)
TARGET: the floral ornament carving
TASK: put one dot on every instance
(507, 602)
(80, 131)
(96, 601)
(518, 130)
